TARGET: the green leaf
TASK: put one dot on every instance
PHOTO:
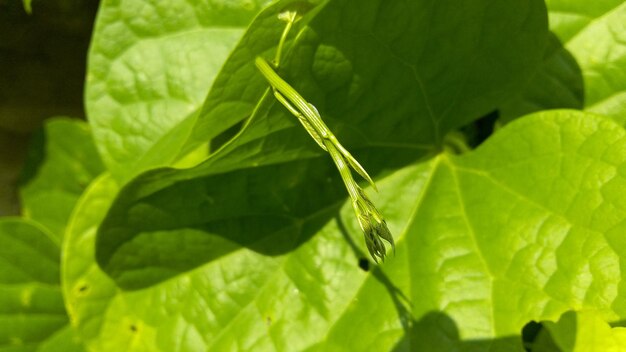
(586, 331)
(250, 194)
(238, 86)
(70, 163)
(150, 66)
(351, 97)
(65, 340)
(557, 84)
(87, 290)
(32, 314)
(424, 86)
(583, 67)
(526, 227)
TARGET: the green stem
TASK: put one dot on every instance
(344, 171)
(292, 95)
(316, 127)
(281, 43)
(370, 220)
(305, 123)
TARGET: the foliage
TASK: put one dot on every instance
(583, 64)
(176, 245)
(62, 175)
(32, 312)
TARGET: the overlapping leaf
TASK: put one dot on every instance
(238, 88)
(150, 66)
(69, 163)
(581, 331)
(482, 248)
(256, 250)
(249, 211)
(390, 108)
(336, 61)
(583, 66)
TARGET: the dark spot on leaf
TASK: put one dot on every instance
(83, 288)
(268, 320)
(133, 328)
(530, 332)
(364, 264)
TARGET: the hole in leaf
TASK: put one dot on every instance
(479, 130)
(364, 264)
(530, 331)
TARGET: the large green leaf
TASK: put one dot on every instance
(69, 163)
(584, 67)
(407, 61)
(32, 314)
(527, 227)
(358, 98)
(238, 87)
(150, 67)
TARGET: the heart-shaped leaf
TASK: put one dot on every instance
(260, 176)
(431, 66)
(525, 228)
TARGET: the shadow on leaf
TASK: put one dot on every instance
(557, 84)
(434, 331)
(163, 224)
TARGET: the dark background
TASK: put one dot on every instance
(42, 72)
